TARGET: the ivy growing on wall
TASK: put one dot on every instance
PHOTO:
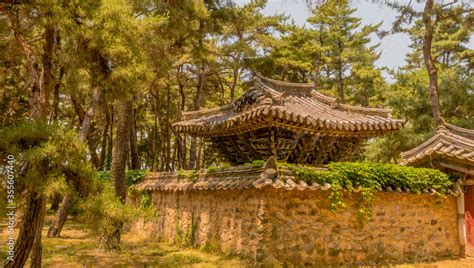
(368, 178)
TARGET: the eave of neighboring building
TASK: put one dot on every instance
(451, 148)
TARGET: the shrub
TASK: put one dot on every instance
(370, 178)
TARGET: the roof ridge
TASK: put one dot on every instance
(464, 132)
(202, 112)
(284, 83)
(323, 98)
(418, 148)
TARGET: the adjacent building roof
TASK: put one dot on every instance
(293, 106)
(451, 148)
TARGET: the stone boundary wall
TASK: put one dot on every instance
(296, 227)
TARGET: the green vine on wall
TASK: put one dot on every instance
(368, 178)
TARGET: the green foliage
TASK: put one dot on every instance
(103, 175)
(145, 199)
(188, 174)
(133, 177)
(225, 165)
(212, 168)
(258, 163)
(53, 158)
(104, 210)
(334, 50)
(368, 178)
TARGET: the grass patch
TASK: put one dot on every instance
(80, 247)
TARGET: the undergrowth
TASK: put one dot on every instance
(368, 178)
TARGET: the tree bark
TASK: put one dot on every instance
(168, 132)
(57, 225)
(340, 75)
(86, 124)
(28, 231)
(47, 77)
(32, 85)
(119, 159)
(57, 87)
(317, 71)
(103, 149)
(134, 157)
(36, 252)
(181, 141)
(429, 61)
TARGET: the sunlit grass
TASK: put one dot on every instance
(79, 247)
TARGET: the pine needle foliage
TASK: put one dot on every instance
(49, 158)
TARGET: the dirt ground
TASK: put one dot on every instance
(79, 248)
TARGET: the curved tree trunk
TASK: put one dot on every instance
(61, 216)
(32, 219)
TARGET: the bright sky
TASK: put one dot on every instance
(393, 47)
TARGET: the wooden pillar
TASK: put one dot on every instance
(469, 214)
(469, 197)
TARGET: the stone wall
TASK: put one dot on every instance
(281, 226)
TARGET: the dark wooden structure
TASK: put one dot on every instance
(451, 149)
(290, 121)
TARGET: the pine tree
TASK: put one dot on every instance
(345, 53)
(333, 52)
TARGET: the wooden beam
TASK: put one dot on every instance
(457, 168)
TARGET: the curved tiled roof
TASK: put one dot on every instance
(241, 178)
(288, 105)
(449, 142)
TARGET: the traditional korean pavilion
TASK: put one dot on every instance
(290, 121)
(451, 150)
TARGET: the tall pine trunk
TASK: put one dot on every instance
(36, 251)
(134, 157)
(103, 149)
(181, 140)
(429, 61)
(119, 158)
